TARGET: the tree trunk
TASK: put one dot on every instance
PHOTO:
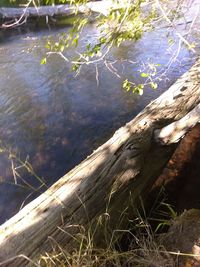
(117, 173)
(102, 7)
(11, 12)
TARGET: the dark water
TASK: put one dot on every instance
(54, 119)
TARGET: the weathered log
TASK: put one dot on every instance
(11, 12)
(102, 7)
(124, 167)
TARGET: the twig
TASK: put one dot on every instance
(18, 22)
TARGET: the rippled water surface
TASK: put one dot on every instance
(55, 119)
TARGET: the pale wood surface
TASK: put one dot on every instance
(126, 165)
(173, 132)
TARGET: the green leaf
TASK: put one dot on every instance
(56, 45)
(140, 91)
(102, 40)
(75, 67)
(171, 41)
(75, 41)
(48, 45)
(43, 61)
(62, 47)
(88, 46)
(144, 75)
(154, 85)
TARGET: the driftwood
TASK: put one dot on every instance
(123, 168)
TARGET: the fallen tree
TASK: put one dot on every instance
(117, 173)
(20, 14)
(11, 12)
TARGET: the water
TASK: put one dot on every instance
(54, 119)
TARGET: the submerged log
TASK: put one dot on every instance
(117, 173)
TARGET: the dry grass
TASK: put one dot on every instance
(142, 251)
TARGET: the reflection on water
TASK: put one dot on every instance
(58, 119)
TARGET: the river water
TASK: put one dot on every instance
(52, 118)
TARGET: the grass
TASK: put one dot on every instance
(143, 248)
(143, 251)
(21, 173)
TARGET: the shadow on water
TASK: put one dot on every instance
(58, 119)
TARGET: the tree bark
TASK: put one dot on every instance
(115, 175)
